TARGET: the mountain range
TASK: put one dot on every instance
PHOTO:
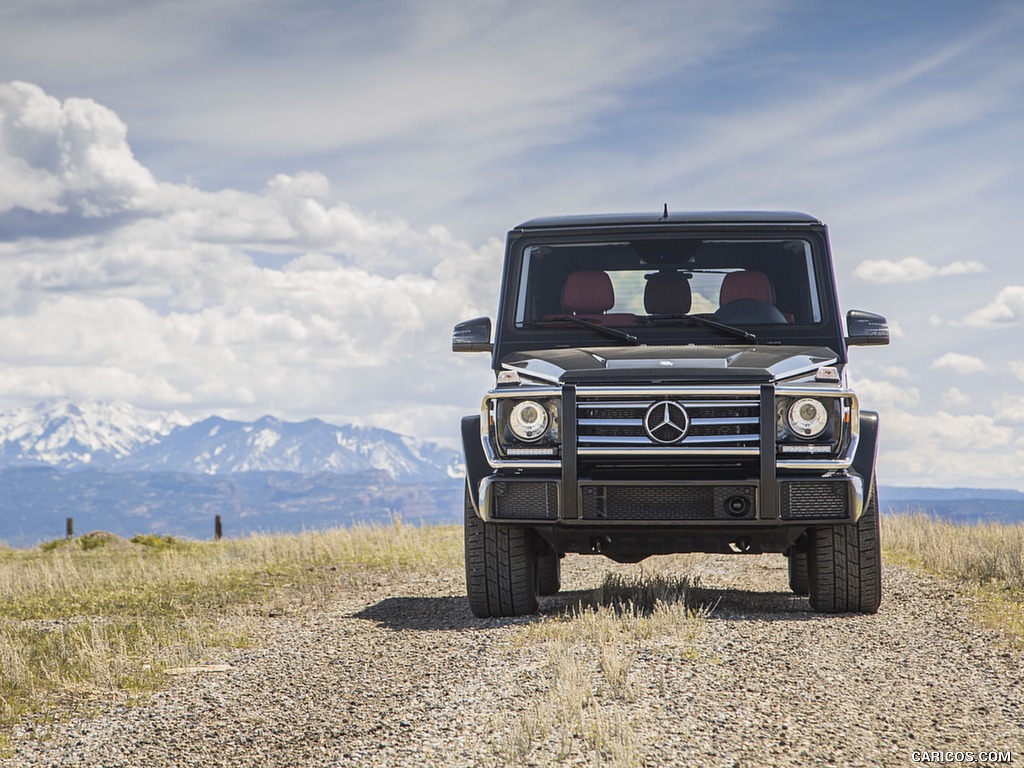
(115, 467)
(119, 437)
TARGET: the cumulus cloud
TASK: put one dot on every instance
(1010, 410)
(287, 301)
(932, 448)
(958, 363)
(912, 269)
(73, 156)
(897, 372)
(885, 394)
(1017, 366)
(1007, 309)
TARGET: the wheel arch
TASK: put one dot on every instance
(867, 453)
(476, 462)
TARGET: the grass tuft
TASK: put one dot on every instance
(158, 542)
(590, 648)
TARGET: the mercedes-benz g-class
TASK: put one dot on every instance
(665, 384)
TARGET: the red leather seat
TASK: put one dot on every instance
(588, 295)
(746, 285)
(750, 285)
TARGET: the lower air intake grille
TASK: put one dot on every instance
(673, 502)
(801, 501)
(525, 501)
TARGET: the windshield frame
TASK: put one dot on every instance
(511, 337)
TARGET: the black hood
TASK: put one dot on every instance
(676, 365)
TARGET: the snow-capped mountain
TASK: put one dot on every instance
(216, 446)
(117, 436)
(67, 435)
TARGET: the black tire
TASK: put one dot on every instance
(501, 575)
(549, 572)
(845, 565)
(798, 576)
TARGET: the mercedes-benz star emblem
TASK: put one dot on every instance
(666, 422)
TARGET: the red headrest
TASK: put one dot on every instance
(746, 285)
(667, 293)
(588, 291)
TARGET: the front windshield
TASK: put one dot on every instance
(743, 283)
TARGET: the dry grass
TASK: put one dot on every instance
(589, 651)
(100, 616)
(988, 557)
(985, 554)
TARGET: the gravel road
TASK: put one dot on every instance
(402, 675)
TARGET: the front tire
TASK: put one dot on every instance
(845, 565)
(549, 572)
(798, 575)
(501, 567)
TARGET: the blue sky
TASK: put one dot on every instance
(249, 207)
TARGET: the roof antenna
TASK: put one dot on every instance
(664, 216)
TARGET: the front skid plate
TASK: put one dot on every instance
(632, 544)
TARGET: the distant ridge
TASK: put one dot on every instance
(961, 505)
(895, 493)
(119, 437)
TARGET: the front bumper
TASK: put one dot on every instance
(741, 485)
(791, 500)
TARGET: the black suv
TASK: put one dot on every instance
(673, 383)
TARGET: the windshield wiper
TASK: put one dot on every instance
(614, 333)
(732, 330)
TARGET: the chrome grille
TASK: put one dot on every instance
(721, 421)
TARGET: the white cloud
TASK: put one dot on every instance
(1007, 309)
(1017, 367)
(953, 397)
(897, 372)
(885, 394)
(912, 269)
(346, 314)
(73, 156)
(958, 363)
(938, 448)
(1010, 410)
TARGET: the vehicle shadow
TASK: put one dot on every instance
(740, 604)
(451, 612)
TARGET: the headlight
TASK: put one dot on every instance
(528, 420)
(807, 417)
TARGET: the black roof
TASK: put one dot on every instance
(687, 217)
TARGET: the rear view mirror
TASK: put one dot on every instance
(473, 336)
(866, 328)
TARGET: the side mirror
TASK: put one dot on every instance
(866, 328)
(473, 336)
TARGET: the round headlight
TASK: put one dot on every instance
(807, 417)
(528, 420)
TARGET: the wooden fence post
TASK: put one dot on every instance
(218, 532)
(70, 527)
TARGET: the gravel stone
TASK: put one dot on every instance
(402, 674)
